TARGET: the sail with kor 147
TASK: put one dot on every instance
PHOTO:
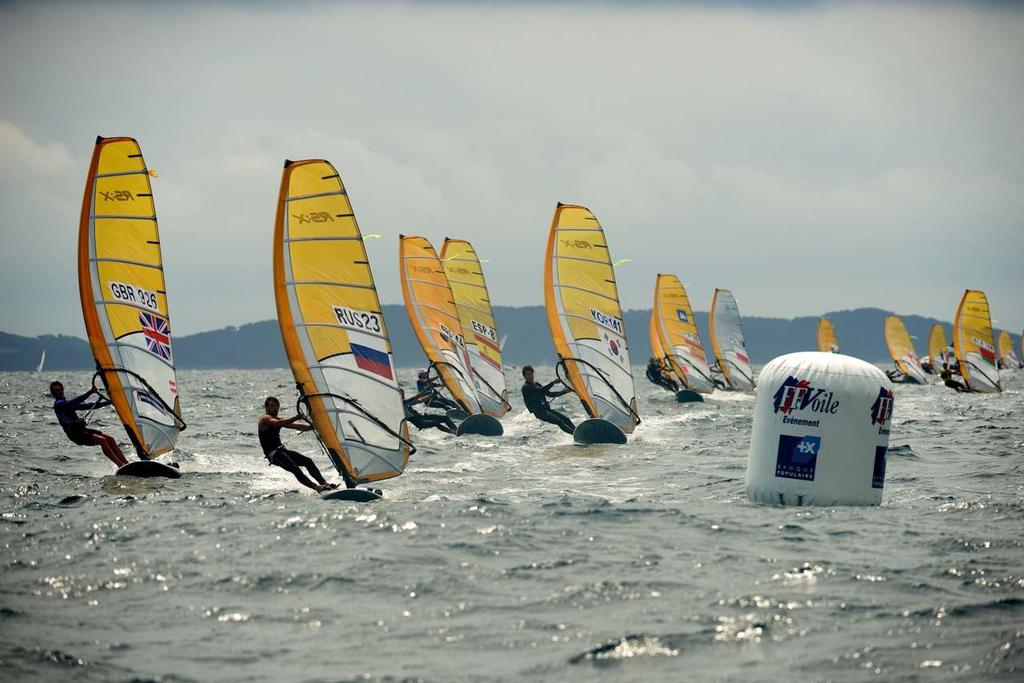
(581, 299)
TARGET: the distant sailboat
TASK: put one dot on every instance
(42, 360)
(827, 340)
(675, 338)
(466, 277)
(434, 316)
(901, 348)
(727, 342)
(1007, 358)
(938, 348)
(974, 343)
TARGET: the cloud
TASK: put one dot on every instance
(812, 157)
(19, 154)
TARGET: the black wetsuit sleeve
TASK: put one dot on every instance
(76, 403)
(554, 394)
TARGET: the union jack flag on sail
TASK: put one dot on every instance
(157, 332)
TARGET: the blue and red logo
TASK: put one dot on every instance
(157, 332)
(798, 394)
(881, 409)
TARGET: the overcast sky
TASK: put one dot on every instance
(810, 157)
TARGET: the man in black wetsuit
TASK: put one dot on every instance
(269, 431)
(434, 398)
(947, 379)
(536, 396)
(74, 426)
(425, 420)
(656, 374)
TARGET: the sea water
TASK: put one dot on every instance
(520, 557)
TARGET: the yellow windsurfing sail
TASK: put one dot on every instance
(430, 305)
(728, 342)
(582, 303)
(938, 347)
(674, 335)
(332, 326)
(827, 340)
(466, 277)
(901, 347)
(124, 300)
(974, 344)
(1007, 358)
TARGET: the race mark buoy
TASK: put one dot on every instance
(821, 431)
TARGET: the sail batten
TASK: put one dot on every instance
(124, 298)
(465, 276)
(332, 327)
(974, 343)
(675, 339)
(901, 348)
(728, 342)
(434, 316)
(585, 318)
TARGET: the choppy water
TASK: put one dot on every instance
(520, 557)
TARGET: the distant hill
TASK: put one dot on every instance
(258, 345)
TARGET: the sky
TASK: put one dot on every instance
(810, 157)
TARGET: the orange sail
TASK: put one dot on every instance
(585, 317)
(332, 326)
(124, 299)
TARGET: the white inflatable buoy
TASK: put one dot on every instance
(821, 431)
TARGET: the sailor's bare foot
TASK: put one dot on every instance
(320, 488)
(331, 486)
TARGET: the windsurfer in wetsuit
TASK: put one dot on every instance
(425, 420)
(896, 375)
(947, 378)
(74, 426)
(269, 431)
(424, 384)
(536, 396)
(656, 373)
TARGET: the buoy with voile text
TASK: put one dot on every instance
(821, 431)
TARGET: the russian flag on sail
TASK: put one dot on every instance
(372, 360)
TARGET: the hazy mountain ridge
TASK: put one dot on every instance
(258, 345)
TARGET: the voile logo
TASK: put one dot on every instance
(798, 394)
